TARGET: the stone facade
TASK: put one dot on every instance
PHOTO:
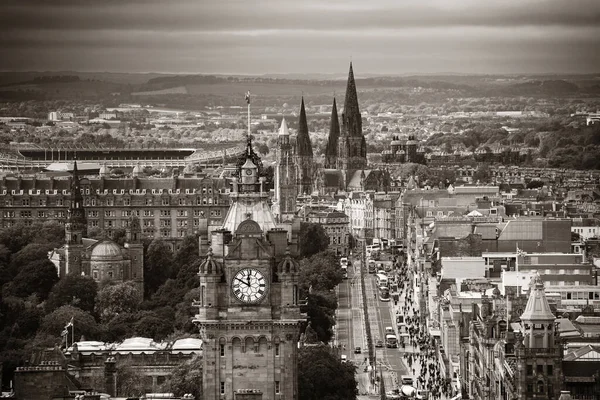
(248, 311)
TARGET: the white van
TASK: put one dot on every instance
(389, 330)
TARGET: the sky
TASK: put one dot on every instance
(301, 36)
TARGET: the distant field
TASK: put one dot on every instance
(264, 89)
(174, 90)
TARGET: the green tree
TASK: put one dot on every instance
(84, 323)
(321, 272)
(76, 290)
(321, 313)
(113, 300)
(186, 378)
(157, 266)
(312, 239)
(323, 376)
(36, 277)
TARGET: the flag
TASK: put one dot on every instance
(69, 324)
(248, 97)
(64, 333)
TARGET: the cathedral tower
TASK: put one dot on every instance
(284, 205)
(539, 357)
(75, 228)
(331, 151)
(352, 147)
(248, 310)
(304, 155)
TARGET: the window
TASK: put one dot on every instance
(93, 202)
(95, 275)
(165, 202)
(222, 350)
(25, 214)
(222, 387)
(540, 369)
(549, 369)
(59, 202)
(26, 202)
(530, 388)
(540, 386)
(127, 202)
(41, 214)
(182, 202)
(110, 274)
(110, 202)
(529, 370)
(277, 387)
(276, 349)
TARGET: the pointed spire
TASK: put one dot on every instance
(537, 308)
(351, 118)
(304, 147)
(283, 129)
(334, 133)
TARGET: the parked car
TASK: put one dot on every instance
(357, 350)
(378, 343)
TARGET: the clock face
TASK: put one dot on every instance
(248, 172)
(249, 285)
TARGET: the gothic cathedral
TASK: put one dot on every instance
(248, 311)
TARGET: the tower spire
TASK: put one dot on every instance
(304, 147)
(331, 151)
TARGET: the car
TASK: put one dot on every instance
(357, 350)
(378, 343)
(344, 358)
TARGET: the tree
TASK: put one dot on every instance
(186, 254)
(321, 272)
(153, 324)
(323, 376)
(35, 277)
(157, 266)
(76, 290)
(312, 239)
(321, 313)
(185, 378)
(83, 322)
(113, 300)
(130, 383)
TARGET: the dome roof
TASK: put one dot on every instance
(288, 264)
(209, 265)
(106, 250)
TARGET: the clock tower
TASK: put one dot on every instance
(248, 312)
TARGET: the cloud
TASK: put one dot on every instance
(280, 36)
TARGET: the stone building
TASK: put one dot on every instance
(248, 312)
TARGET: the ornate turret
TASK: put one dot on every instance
(331, 151)
(304, 155)
(284, 202)
(75, 228)
(537, 309)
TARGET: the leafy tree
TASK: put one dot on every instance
(113, 300)
(129, 383)
(157, 265)
(312, 239)
(535, 184)
(186, 254)
(76, 290)
(153, 324)
(185, 378)
(35, 277)
(83, 322)
(119, 236)
(323, 376)
(321, 313)
(321, 272)
(120, 327)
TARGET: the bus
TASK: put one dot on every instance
(384, 293)
(382, 280)
(391, 341)
(371, 264)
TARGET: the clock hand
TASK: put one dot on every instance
(238, 279)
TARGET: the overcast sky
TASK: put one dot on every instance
(301, 36)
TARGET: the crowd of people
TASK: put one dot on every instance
(422, 350)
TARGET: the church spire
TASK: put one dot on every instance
(351, 118)
(304, 147)
(331, 151)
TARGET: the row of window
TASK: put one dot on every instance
(580, 295)
(111, 202)
(277, 388)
